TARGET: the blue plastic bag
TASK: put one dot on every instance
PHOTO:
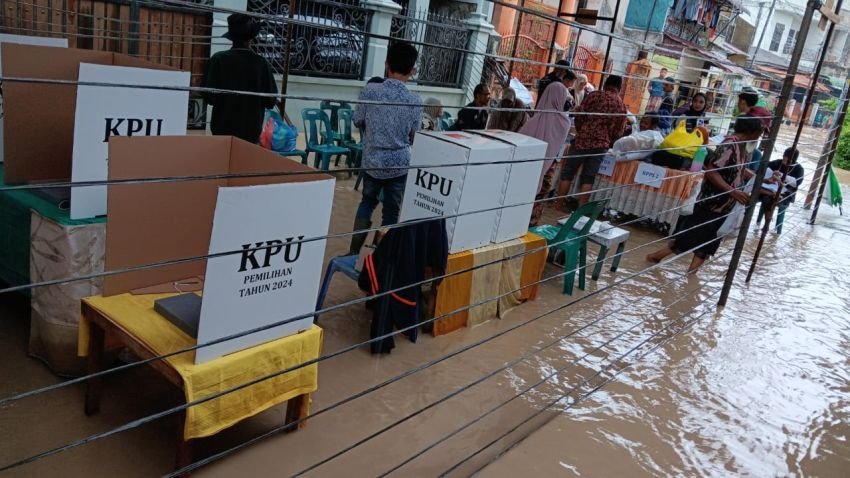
(277, 135)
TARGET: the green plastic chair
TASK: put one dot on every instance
(332, 109)
(355, 159)
(573, 243)
(316, 123)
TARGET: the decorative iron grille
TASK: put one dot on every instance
(440, 61)
(329, 39)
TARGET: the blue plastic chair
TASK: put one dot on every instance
(355, 159)
(573, 243)
(345, 264)
(295, 153)
(446, 121)
(316, 123)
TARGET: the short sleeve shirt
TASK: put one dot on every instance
(730, 160)
(388, 128)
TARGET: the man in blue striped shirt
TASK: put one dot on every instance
(389, 117)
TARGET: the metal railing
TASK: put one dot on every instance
(332, 45)
(436, 66)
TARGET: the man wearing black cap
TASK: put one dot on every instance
(239, 69)
(561, 73)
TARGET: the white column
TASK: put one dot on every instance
(480, 32)
(417, 6)
(376, 50)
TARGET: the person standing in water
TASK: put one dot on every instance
(239, 69)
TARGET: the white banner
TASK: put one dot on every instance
(106, 111)
(24, 40)
(650, 175)
(277, 280)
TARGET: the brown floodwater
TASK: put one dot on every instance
(759, 388)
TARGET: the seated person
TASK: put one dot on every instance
(640, 143)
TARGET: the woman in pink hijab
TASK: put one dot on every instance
(550, 125)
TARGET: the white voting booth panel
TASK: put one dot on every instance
(105, 111)
(276, 280)
(446, 191)
(520, 185)
(24, 40)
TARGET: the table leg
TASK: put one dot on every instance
(94, 364)
(616, 263)
(184, 446)
(297, 408)
(597, 268)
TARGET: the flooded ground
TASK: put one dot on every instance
(760, 388)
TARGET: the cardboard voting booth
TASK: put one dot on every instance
(23, 40)
(106, 111)
(270, 277)
(39, 121)
(449, 190)
(520, 184)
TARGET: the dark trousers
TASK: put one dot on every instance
(390, 192)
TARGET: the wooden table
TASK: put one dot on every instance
(104, 333)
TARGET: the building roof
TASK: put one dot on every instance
(717, 58)
(801, 80)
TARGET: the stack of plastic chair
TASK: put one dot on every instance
(355, 159)
(316, 128)
(573, 243)
(333, 109)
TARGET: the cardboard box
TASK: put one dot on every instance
(106, 111)
(38, 125)
(521, 183)
(155, 222)
(446, 191)
(24, 40)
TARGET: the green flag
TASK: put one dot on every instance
(832, 194)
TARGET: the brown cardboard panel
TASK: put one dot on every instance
(248, 158)
(39, 117)
(119, 59)
(156, 222)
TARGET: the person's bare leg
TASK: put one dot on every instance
(563, 190)
(696, 263)
(659, 255)
(584, 197)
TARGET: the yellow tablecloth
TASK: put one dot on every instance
(135, 314)
(484, 283)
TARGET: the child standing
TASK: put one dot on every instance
(388, 125)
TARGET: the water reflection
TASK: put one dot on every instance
(761, 388)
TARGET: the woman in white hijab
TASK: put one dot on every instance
(431, 117)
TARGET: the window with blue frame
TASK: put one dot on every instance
(647, 13)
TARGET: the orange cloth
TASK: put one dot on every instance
(454, 293)
(457, 291)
